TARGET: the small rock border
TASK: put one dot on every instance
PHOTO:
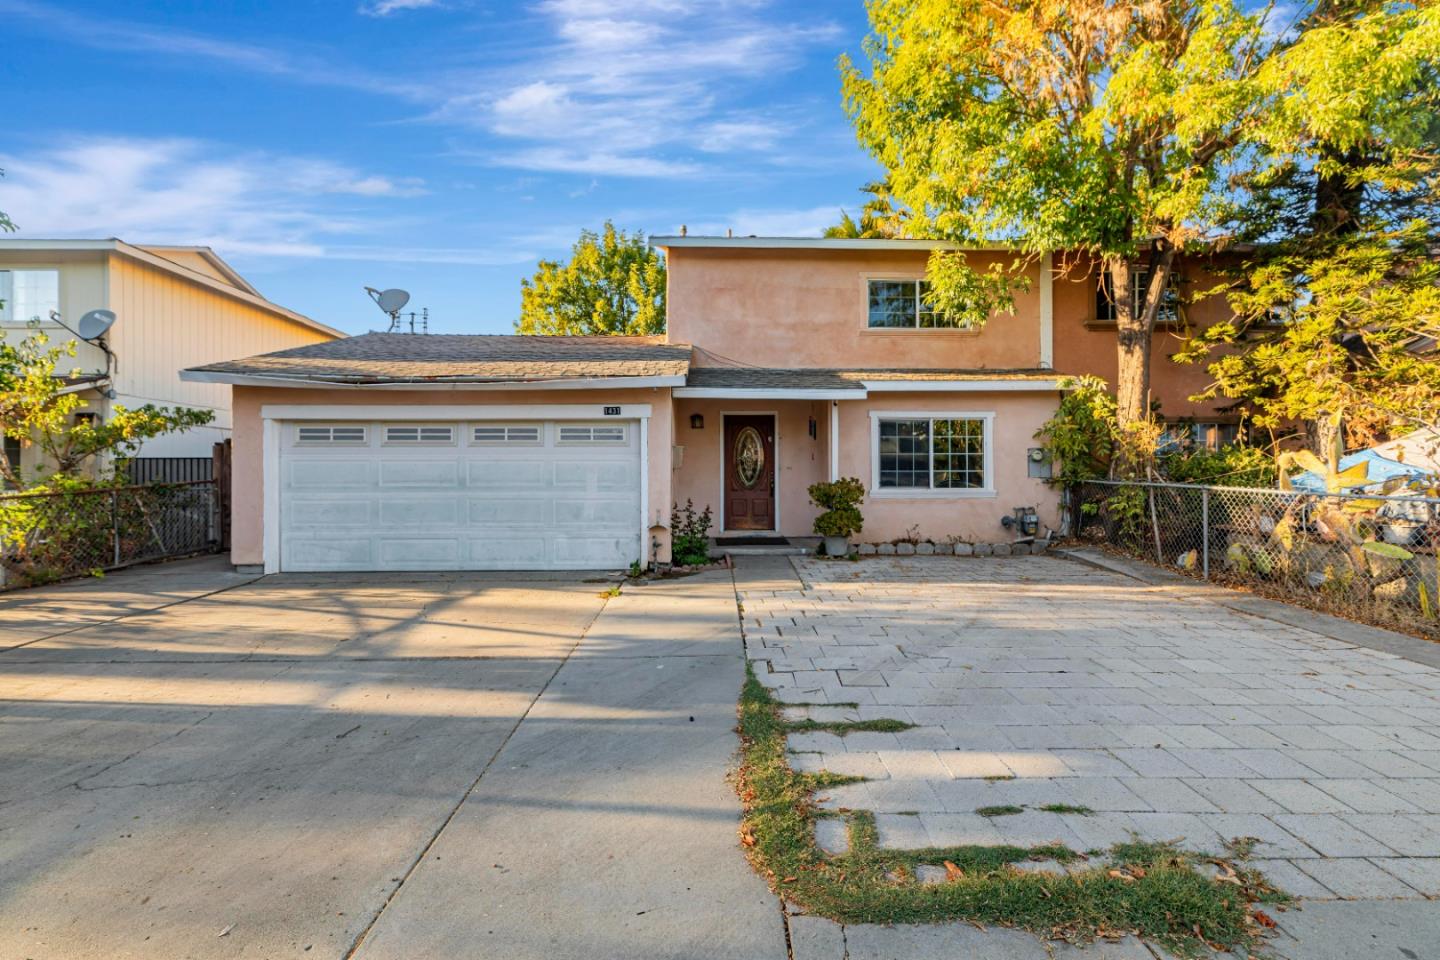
(928, 549)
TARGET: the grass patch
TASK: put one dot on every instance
(1067, 808)
(1150, 889)
(1003, 810)
(999, 777)
(841, 728)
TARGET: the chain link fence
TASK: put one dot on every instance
(51, 536)
(1370, 558)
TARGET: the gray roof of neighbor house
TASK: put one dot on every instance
(463, 358)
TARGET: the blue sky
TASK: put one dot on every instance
(438, 145)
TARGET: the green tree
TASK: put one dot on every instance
(34, 408)
(1337, 311)
(614, 284)
(880, 217)
(1095, 128)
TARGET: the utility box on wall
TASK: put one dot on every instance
(1038, 463)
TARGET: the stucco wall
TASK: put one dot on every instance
(248, 522)
(808, 308)
(801, 460)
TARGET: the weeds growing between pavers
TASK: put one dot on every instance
(1152, 890)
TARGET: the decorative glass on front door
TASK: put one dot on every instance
(749, 456)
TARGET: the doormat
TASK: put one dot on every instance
(751, 542)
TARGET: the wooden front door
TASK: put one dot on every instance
(750, 472)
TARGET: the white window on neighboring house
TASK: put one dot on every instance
(28, 295)
(942, 454)
(1139, 286)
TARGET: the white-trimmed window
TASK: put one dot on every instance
(593, 433)
(506, 433)
(1139, 287)
(346, 433)
(900, 305)
(932, 454)
(28, 295)
(420, 433)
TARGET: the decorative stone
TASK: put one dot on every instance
(926, 549)
(983, 550)
(866, 549)
(905, 549)
(1001, 549)
(885, 549)
(928, 874)
(964, 549)
(1039, 547)
(944, 549)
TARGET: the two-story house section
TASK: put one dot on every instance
(785, 362)
(175, 307)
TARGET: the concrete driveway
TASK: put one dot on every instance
(199, 764)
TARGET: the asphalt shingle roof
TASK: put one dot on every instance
(403, 357)
(839, 379)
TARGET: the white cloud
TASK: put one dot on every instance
(186, 191)
(636, 89)
(772, 223)
(383, 8)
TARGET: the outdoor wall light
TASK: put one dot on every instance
(697, 421)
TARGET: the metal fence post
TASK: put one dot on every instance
(115, 524)
(1205, 533)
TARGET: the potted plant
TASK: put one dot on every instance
(840, 501)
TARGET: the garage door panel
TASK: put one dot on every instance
(501, 553)
(592, 551)
(595, 475)
(509, 513)
(420, 473)
(304, 512)
(325, 474)
(419, 513)
(507, 474)
(332, 553)
(613, 513)
(482, 503)
(419, 554)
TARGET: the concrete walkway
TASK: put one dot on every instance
(1170, 712)
(196, 765)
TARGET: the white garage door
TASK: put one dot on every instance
(522, 495)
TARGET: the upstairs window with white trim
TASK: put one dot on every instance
(420, 433)
(506, 433)
(592, 433)
(936, 453)
(900, 305)
(345, 433)
(28, 295)
(1139, 287)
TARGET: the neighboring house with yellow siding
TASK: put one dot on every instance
(176, 307)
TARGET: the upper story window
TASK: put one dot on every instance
(1139, 284)
(904, 305)
(28, 295)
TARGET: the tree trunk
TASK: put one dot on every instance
(1134, 332)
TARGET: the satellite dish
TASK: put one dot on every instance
(393, 300)
(94, 324)
(390, 301)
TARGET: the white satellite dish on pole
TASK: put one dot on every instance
(392, 300)
(95, 324)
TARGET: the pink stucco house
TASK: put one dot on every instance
(786, 362)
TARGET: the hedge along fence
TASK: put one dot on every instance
(52, 536)
(1371, 558)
